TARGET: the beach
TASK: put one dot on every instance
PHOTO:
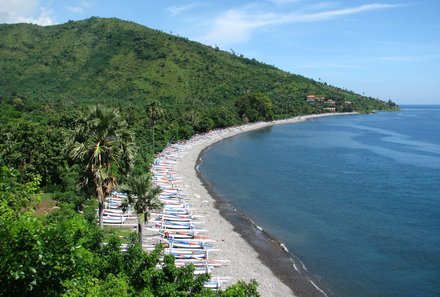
(252, 253)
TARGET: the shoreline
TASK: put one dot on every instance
(253, 253)
(272, 253)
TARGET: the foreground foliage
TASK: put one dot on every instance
(143, 196)
(62, 254)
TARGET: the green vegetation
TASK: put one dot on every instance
(109, 61)
(254, 108)
(165, 87)
(100, 141)
(61, 254)
(143, 196)
(92, 102)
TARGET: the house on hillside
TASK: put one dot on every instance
(311, 98)
(330, 101)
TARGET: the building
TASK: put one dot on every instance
(311, 98)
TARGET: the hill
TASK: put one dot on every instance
(117, 62)
(51, 76)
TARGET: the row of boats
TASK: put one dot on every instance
(175, 226)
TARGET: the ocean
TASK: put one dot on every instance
(356, 198)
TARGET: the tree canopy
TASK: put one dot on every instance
(255, 107)
(101, 141)
(61, 254)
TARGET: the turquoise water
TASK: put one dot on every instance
(356, 198)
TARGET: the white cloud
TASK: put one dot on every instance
(25, 11)
(178, 9)
(82, 7)
(237, 25)
(76, 9)
(325, 15)
(24, 7)
(280, 2)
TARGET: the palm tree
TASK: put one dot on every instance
(154, 113)
(143, 196)
(101, 140)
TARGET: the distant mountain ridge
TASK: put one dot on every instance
(118, 62)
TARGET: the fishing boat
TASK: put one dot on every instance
(173, 243)
(113, 220)
(177, 226)
(163, 229)
(181, 235)
(216, 283)
(171, 218)
(199, 263)
(116, 213)
(119, 195)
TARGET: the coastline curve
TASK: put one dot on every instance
(253, 253)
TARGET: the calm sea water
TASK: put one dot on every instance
(356, 198)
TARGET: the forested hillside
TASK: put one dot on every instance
(113, 62)
(50, 76)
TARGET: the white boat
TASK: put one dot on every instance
(116, 213)
(185, 251)
(187, 256)
(119, 195)
(171, 218)
(182, 235)
(186, 244)
(189, 241)
(216, 283)
(202, 270)
(163, 229)
(176, 226)
(113, 220)
(177, 208)
(175, 222)
(112, 204)
(172, 202)
(174, 215)
(199, 263)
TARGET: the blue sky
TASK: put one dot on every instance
(386, 49)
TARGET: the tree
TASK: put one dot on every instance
(255, 107)
(154, 113)
(99, 142)
(143, 196)
(391, 103)
(16, 196)
(32, 148)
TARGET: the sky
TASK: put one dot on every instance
(385, 49)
